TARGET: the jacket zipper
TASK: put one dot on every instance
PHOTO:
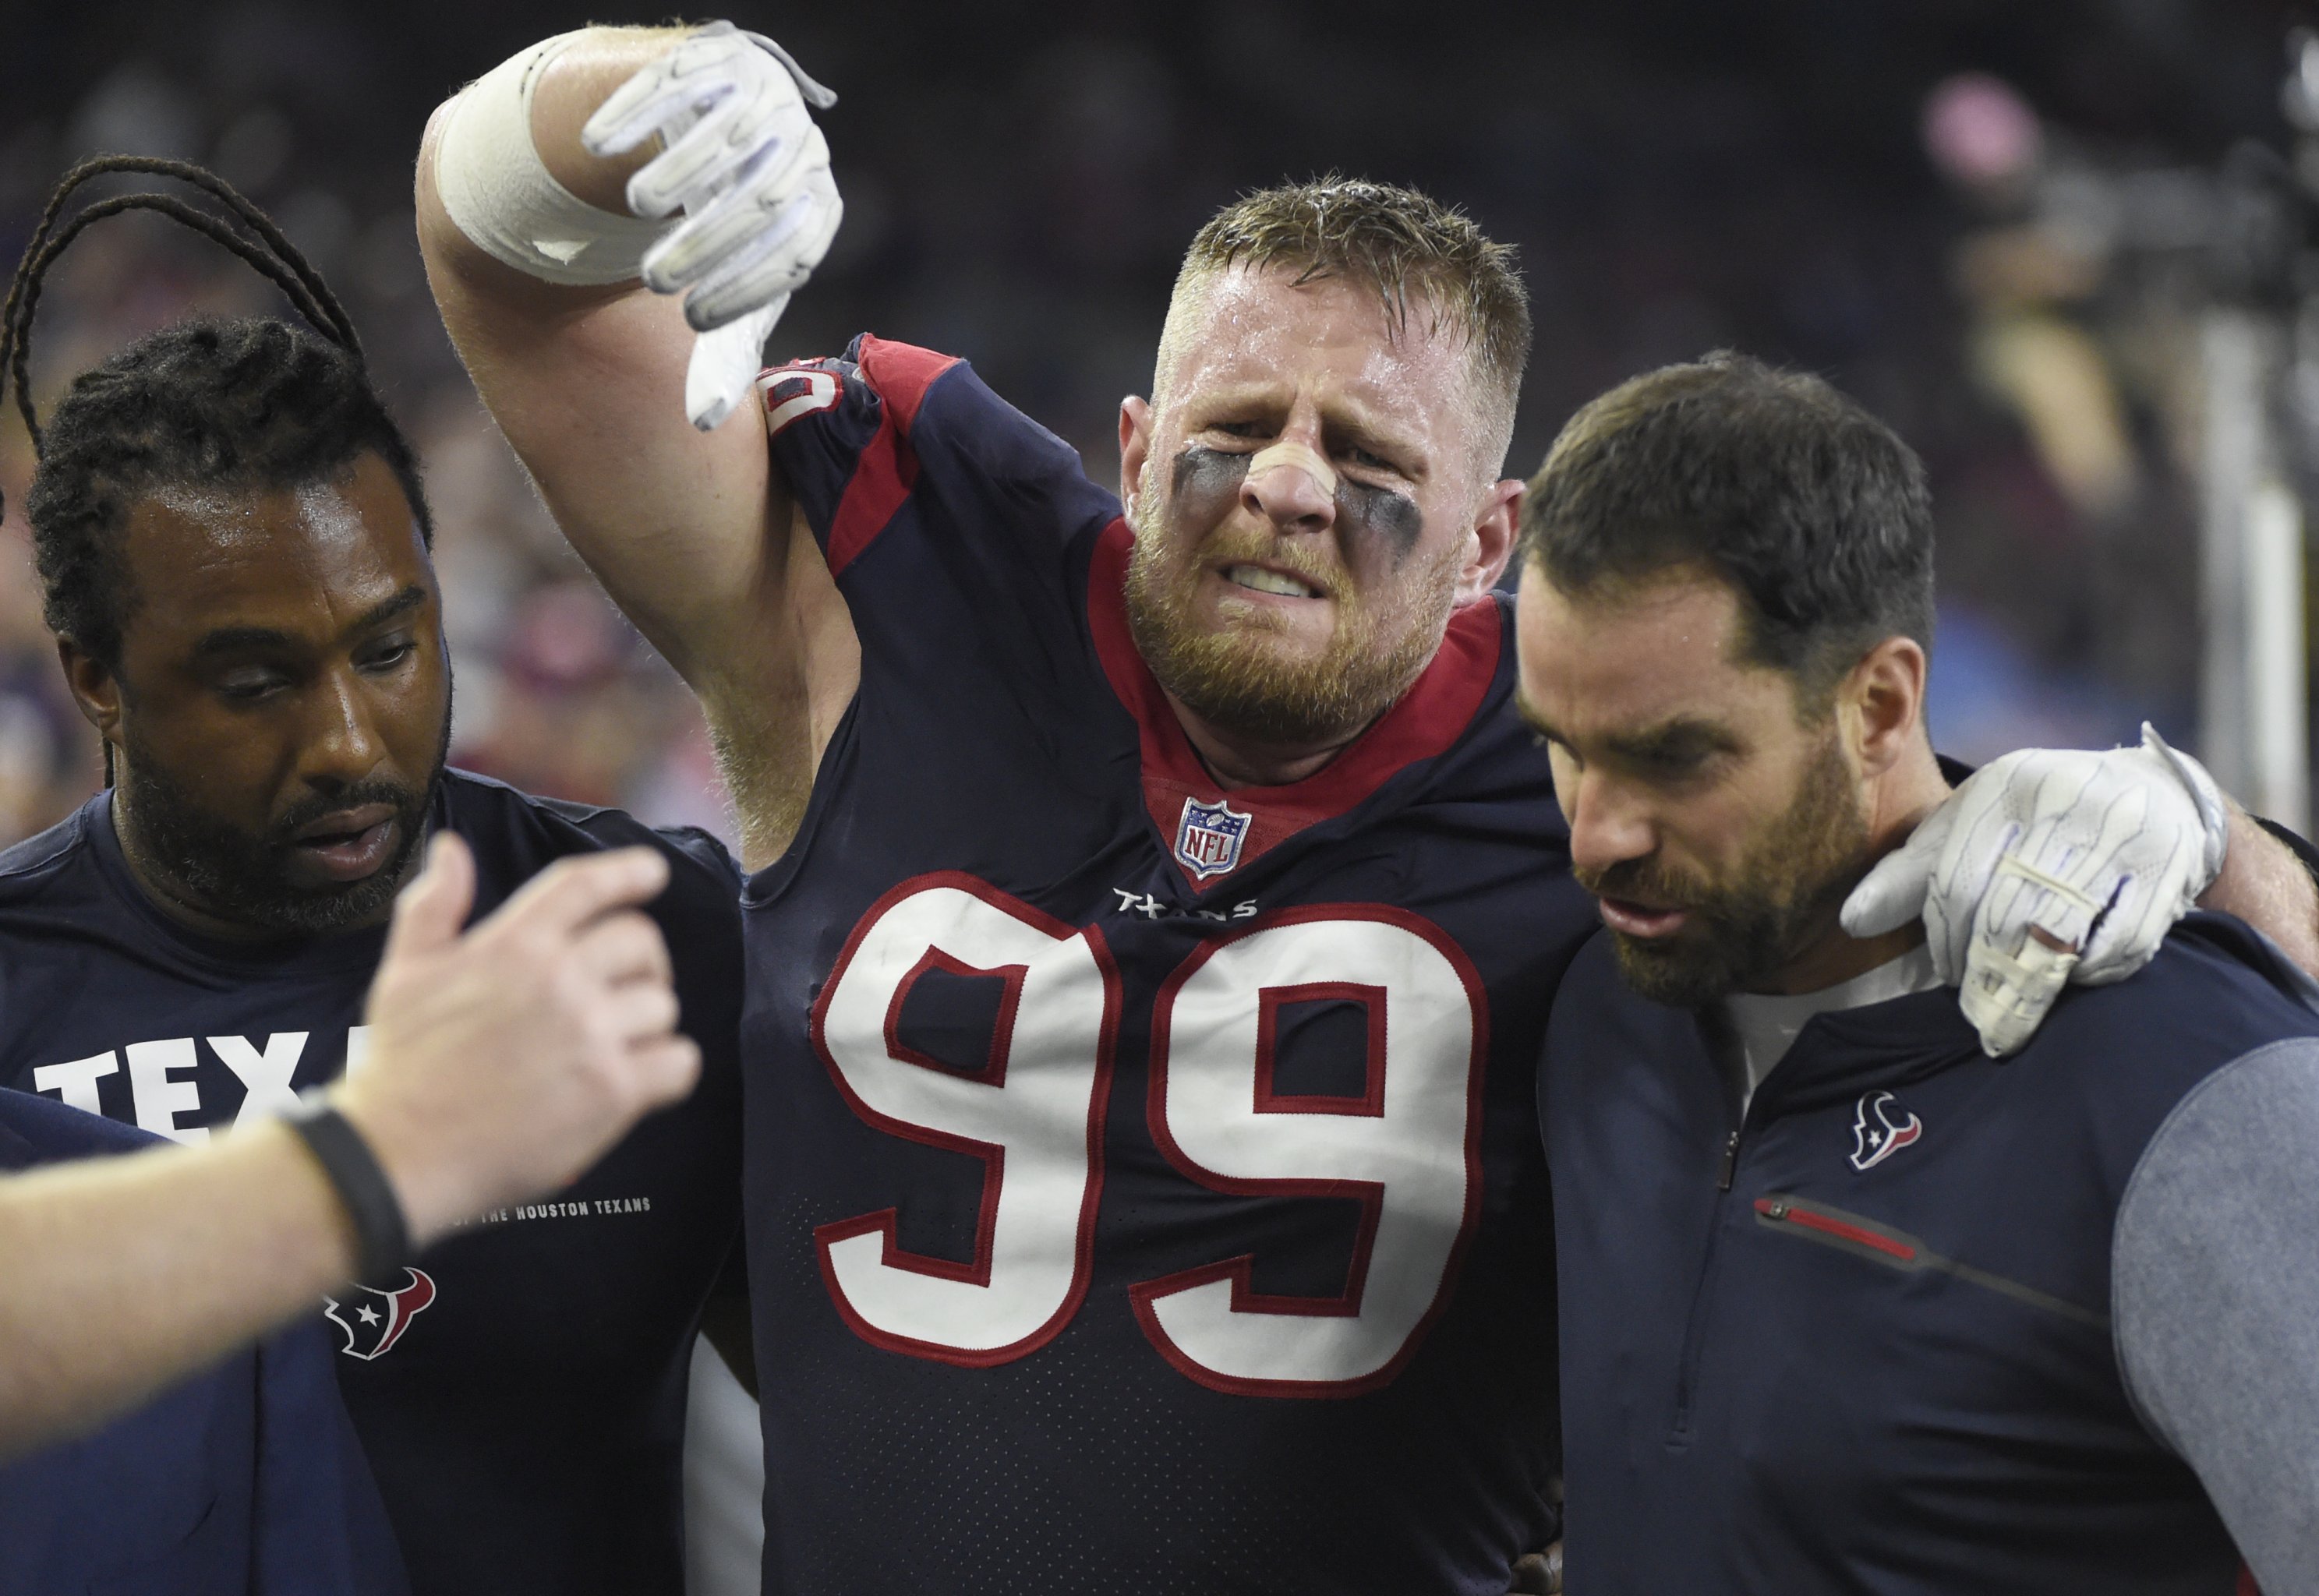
(1807, 1219)
(1694, 1334)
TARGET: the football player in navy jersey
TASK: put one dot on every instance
(234, 549)
(1846, 1303)
(1156, 898)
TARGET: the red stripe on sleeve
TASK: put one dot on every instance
(888, 469)
(882, 478)
(901, 374)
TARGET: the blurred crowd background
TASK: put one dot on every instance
(1930, 202)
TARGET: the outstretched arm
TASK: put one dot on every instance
(124, 1273)
(120, 1275)
(690, 530)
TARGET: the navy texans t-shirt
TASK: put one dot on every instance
(520, 1390)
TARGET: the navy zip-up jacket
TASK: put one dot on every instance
(1862, 1340)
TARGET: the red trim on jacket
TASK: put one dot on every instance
(1856, 1234)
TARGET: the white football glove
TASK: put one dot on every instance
(743, 161)
(2101, 852)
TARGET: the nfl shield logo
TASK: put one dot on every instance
(1208, 838)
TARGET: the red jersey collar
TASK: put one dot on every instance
(1425, 721)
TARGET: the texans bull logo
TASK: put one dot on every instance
(372, 1319)
(1882, 1126)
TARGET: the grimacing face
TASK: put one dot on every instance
(1266, 605)
(1719, 832)
(281, 712)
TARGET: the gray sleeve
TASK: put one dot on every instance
(2215, 1291)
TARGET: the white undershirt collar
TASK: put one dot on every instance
(1762, 1026)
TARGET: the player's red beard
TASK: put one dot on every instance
(1781, 895)
(1239, 678)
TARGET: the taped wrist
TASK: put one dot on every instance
(381, 1232)
(498, 193)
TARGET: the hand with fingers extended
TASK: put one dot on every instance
(506, 1059)
(743, 161)
(2046, 867)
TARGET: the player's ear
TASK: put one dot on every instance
(1496, 520)
(1883, 697)
(1135, 445)
(95, 690)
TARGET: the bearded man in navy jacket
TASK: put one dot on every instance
(1846, 1302)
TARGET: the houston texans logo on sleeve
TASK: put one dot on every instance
(1881, 1127)
(374, 1320)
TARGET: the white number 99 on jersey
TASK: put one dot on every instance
(1404, 1147)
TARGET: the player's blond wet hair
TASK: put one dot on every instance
(1414, 250)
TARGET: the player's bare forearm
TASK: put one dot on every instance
(685, 528)
(681, 526)
(126, 1273)
(691, 532)
(771, 730)
(2264, 884)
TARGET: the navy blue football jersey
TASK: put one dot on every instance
(1145, 1191)
(521, 1389)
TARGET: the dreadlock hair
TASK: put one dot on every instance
(247, 403)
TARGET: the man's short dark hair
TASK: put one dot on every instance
(1812, 509)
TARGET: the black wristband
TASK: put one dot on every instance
(381, 1233)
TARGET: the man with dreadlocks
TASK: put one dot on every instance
(1157, 896)
(234, 545)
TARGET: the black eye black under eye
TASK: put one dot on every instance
(1393, 514)
(1199, 469)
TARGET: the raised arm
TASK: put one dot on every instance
(120, 1275)
(687, 526)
